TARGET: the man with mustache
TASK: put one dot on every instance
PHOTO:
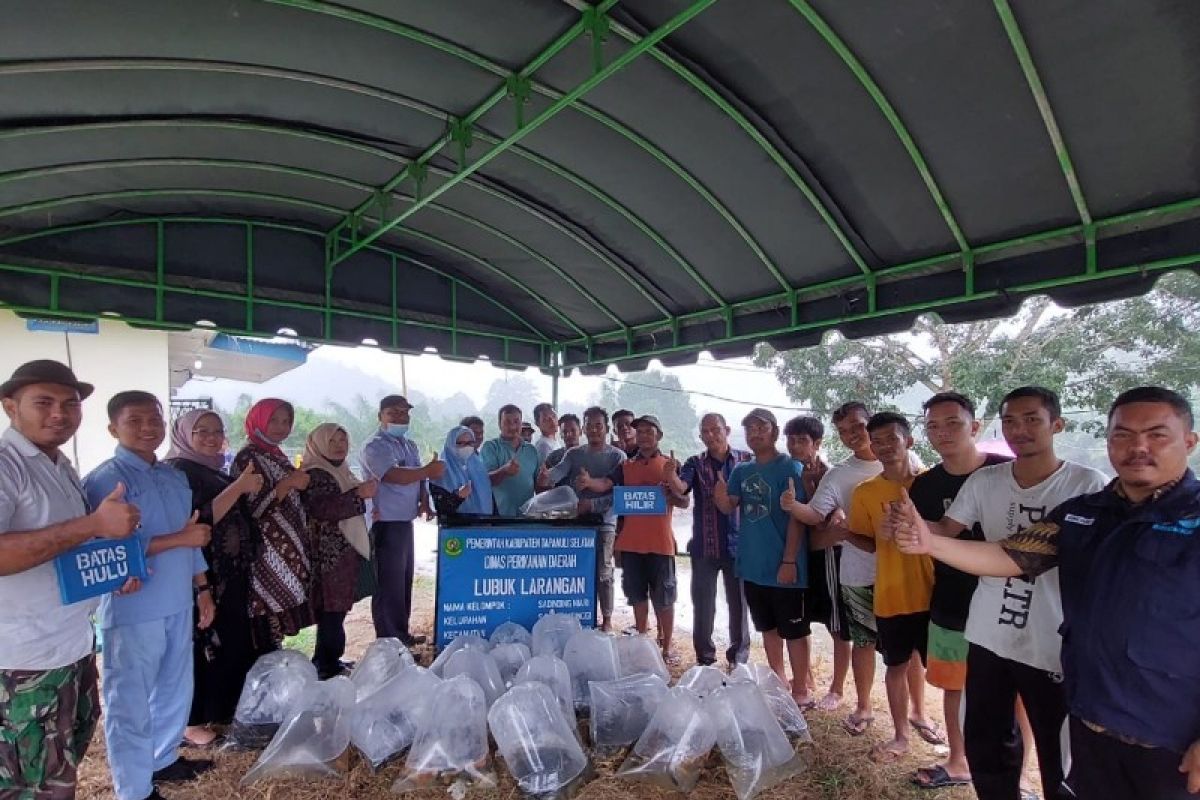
(1130, 563)
(1013, 623)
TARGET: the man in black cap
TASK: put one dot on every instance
(48, 679)
(393, 459)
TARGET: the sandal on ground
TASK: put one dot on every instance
(882, 753)
(929, 733)
(856, 725)
(830, 702)
(936, 777)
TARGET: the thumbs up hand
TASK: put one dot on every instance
(584, 482)
(435, 469)
(250, 481)
(367, 489)
(194, 533)
(721, 492)
(114, 518)
(512, 467)
(670, 468)
(464, 491)
(787, 500)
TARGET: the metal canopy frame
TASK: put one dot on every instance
(557, 282)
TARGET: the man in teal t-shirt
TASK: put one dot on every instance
(512, 464)
(772, 548)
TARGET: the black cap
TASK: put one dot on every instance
(761, 414)
(394, 400)
(44, 371)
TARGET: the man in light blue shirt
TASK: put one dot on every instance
(147, 665)
(512, 464)
(391, 458)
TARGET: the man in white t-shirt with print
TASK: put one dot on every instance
(1013, 624)
(856, 568)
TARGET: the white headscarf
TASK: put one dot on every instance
(315, 448)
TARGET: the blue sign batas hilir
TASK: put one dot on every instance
(98, 567)
(644, 501)
(487, 576)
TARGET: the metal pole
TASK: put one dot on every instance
(403, 377)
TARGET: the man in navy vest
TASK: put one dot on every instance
(1129, 564)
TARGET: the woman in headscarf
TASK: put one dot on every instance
(223, 653)
(281, 577)
(338, 528)
(465, 475)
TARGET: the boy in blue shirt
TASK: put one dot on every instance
(772, 548)
(147, 666)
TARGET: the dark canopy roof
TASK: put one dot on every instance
(550, 183)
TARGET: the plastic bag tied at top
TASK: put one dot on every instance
(536, 740)
(315, 733)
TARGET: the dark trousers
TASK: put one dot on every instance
(331, 643)
(1104, 768)
(391, 605)
(993, 740)
(704, 602)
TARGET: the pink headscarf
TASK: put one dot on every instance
(181, 440)
(256, 424)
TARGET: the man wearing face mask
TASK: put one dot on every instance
(391, 458)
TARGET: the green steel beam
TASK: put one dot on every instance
(1017, 40)
(1162, 265)
(889, 112)
(58, 273)
(216, 163)
(486, 187)
(994, 251)
(695, 8)
(709, 92)
(16, 68)
(454, 281)
(457, 51)
(129, 194)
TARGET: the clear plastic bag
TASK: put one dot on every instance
(553, 673)
(672, 751)
(272, 685)
(742, 673)
(509, 659)
(385, 723)
(640, 654)
(590, 656)
(561, 502)
(782, 704)
(479, 667)
(511, 633)
(453, 741)
(315, 733)
(536, 740)
(552, 632)
(470, 641)
(703, 680)
(621, 709)
(382, 661)
(755, 749)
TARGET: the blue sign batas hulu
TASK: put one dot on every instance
(487, 576)
(98, 567)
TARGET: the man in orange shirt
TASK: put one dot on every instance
(903, 583)
(645, 545)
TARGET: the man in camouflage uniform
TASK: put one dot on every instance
(48, 693)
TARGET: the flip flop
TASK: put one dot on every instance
(806, 706)
(830, 702)
(857, 726)
(936, 777)
(881, 754)
(1029, 794)
(929, 733)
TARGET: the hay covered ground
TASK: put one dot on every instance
(839, 765)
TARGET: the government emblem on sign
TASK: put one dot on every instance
(453, 546)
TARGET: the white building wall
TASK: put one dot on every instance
(116, 359)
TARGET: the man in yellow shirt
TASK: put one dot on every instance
(903, 583)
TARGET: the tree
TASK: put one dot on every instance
(515, 388)
(1088, 355)
(663, 396)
